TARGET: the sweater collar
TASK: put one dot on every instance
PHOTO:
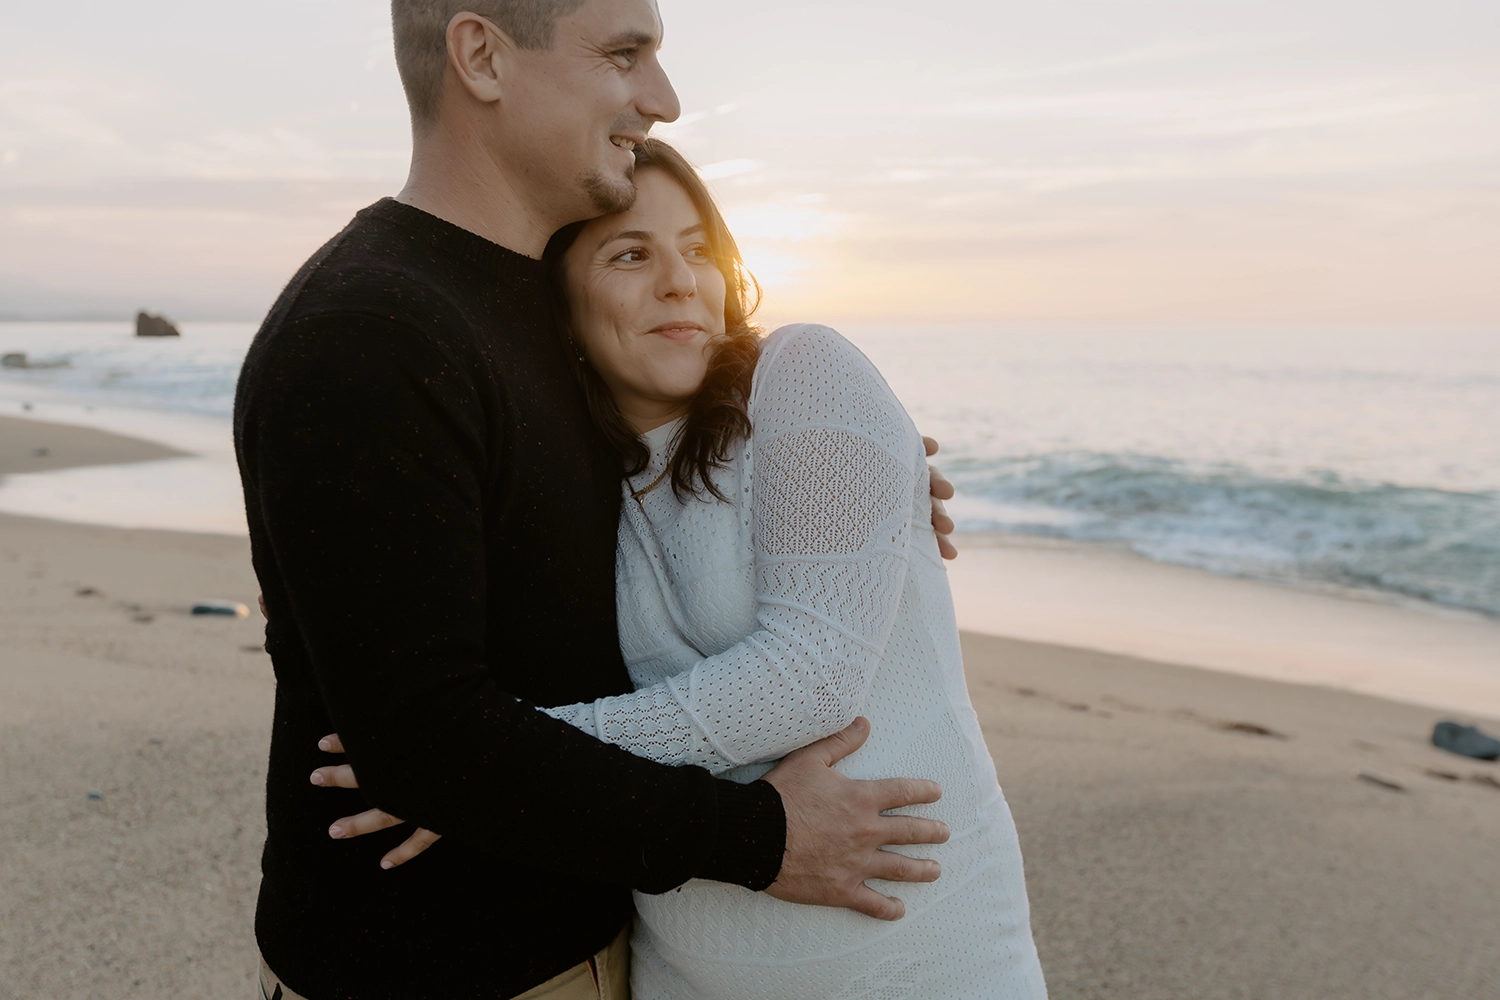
(454, 242)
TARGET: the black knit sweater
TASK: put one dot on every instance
(432, 517)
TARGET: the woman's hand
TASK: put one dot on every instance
(941, 490)
(371, 820)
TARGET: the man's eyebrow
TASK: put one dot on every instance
(632, 40)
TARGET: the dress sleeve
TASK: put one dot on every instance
(836, 466)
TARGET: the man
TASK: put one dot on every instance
(432, 519)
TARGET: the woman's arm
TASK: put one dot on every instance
(836, 461)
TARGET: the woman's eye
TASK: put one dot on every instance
(700, 253)
(635, 255)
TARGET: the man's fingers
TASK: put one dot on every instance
(410, 848)
(913, 830)
(369, 821)
(941, 522)
(334, 776)
(930, 444)
(832, 749)
(940, 487)
(893, 867)
(894, 793)
(262, 598)
(873, 904)
(331, 744)
(946, 548)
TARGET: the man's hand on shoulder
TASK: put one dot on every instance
(835, 829)
(941, 490)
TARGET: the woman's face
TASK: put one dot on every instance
(647, 300)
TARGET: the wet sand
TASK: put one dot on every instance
(1173, 849)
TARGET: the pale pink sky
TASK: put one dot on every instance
(1070, 161)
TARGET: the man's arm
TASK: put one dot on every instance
(364, 448)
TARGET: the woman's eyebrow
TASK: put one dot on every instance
(629, 234)
(695, 228)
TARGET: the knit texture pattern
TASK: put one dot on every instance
(756, 627)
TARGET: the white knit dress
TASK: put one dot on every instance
(755, 627)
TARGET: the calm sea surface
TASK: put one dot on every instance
(1360, 458)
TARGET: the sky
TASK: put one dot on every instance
(1068, 161)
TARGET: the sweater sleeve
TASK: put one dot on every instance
(363, 448)
(836, 466)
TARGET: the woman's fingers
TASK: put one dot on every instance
(930, 444)
(331, 744)
(413, 845)
(369, 821)
(334, 776)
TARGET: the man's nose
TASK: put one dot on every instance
(658, 101)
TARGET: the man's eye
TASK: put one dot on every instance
(623, 56)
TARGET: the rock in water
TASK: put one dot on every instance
(147, 325)
(19, 359)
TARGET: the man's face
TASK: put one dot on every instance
(574, 113)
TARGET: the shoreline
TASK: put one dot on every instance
(131, 469)
(144, 469)
(1109, 599)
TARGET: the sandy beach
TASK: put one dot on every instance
(1189, 833)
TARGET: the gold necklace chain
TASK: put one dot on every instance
(636, 495)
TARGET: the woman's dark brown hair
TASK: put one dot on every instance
(718, 416)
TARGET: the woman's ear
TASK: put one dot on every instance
(481, 55)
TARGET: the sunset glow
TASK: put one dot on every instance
(1083, 161)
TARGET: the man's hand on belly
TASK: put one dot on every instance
(835, 830)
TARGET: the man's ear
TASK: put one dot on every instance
(481, 54)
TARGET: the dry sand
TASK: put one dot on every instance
(1168, 856)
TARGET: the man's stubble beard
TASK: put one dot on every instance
(610, 198)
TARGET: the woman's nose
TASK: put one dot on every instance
(678, 282)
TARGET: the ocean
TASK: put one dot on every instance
(1355, 459)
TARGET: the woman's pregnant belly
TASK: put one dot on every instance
(966, 935)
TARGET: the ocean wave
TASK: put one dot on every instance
(1434, 545)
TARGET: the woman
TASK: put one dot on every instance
(777, 576)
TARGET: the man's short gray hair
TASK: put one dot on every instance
(421, 30)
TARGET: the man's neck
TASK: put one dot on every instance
(454, 178)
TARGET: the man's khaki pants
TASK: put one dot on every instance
(606, 976)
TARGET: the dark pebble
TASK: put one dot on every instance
(96, 796)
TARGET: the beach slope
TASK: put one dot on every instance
(1189, 834)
